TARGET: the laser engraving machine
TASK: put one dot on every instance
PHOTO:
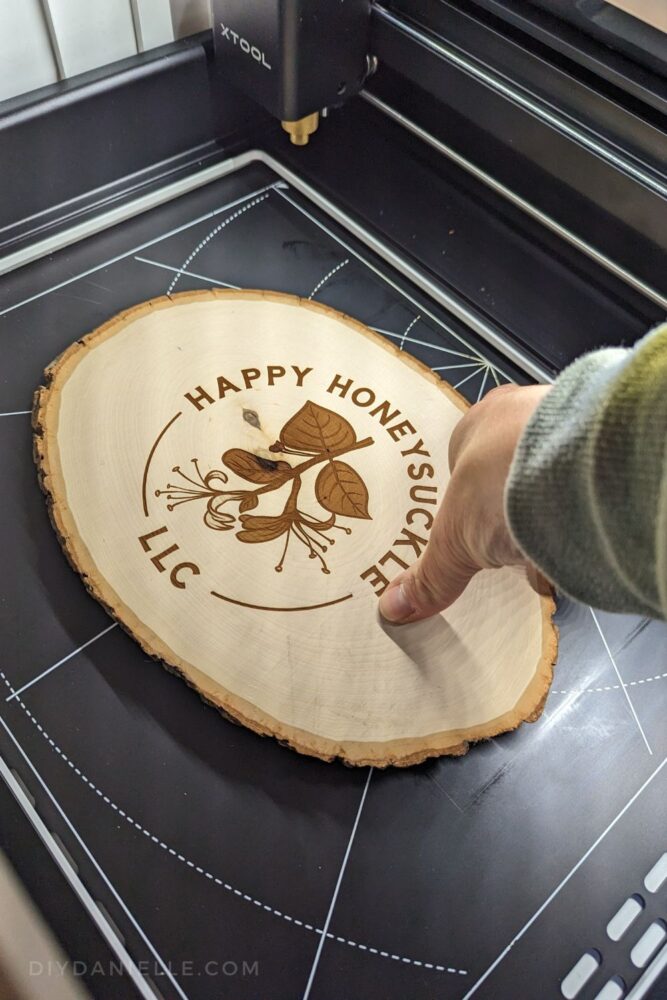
(296, 59)
(484, 183)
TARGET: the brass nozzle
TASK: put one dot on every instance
(301, 130)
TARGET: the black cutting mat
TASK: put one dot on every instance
(223, 858)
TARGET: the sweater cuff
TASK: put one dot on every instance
(548, 504)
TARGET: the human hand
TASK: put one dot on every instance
(470, 531)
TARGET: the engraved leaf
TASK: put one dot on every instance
(262, 529)
(341, 490)
(314, 430)
(254, 468)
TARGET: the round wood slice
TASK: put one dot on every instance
(236, 476)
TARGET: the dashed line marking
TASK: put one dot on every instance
(404, 336)
(322, 283)
(225, 885)
(214, 232)
(614, 687)
(142, 246)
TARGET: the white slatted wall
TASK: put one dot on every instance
(42, 41)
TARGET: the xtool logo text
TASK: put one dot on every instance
(242, 43)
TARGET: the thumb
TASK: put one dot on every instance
(428, 586)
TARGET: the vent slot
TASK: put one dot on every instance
(580, 973)
(625, 917)
(613, 989)
(648, 944)
(657, 875)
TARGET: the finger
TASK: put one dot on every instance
(432, 584)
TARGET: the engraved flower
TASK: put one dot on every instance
(217, 518)
(307, 529)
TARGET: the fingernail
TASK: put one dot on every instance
(394, 604)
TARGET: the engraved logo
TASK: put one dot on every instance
(288, 493)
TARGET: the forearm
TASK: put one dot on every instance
(586, 499)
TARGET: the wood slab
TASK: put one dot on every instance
(237, 475)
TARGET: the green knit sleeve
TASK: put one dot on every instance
(586, 498)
